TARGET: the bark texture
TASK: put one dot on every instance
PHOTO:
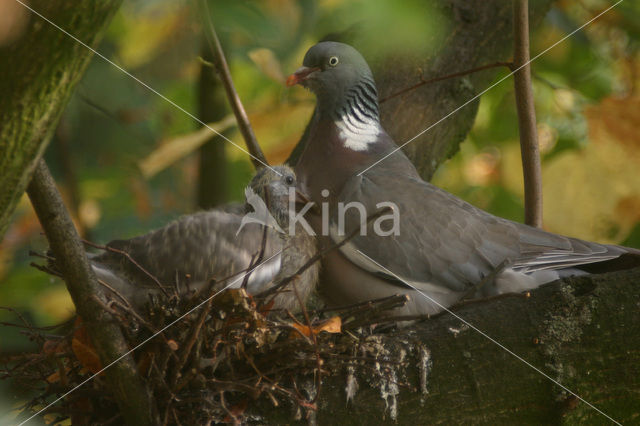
(212, 106)
(582, 332)
(481, 33)
(38, 72)
(125, 382)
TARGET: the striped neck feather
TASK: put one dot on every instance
(358, 118)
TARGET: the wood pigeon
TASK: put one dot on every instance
(441, 246)
(218, 245)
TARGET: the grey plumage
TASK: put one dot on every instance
(445, 246)
(201, 247)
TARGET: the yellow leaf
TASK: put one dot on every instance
(267, 63)
(179, 147)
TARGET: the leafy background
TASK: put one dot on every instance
(112, 159)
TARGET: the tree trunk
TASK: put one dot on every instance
(213, 182)
(37, 75)
(481, 34)
(583, 332)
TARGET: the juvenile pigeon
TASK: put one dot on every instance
(443, 246)
(217, 245)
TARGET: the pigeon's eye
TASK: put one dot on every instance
(333, 61)
(289, 179)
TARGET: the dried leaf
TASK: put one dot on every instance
(332, 325)
(84, 350)
(55, 377)
(237, 411)
(53, 347)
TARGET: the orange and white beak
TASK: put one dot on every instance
(301, 75)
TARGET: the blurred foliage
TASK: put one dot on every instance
(587, 101)
(587, 104)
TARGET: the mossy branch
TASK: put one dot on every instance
(125, 383)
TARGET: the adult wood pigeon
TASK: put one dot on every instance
(443, 247)
(217, 245)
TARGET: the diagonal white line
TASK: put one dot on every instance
(152, 336)
(492, 86)
(146, 86)
(518, 357)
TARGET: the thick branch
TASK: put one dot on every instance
(526, 116)
(581, 332)
(479, 33)
(38, 72)
(125, 383)
(212, 106)
(258, 159)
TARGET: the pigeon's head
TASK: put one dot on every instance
(276, 186)
(330, 69)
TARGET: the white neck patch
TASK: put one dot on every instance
(357, 133)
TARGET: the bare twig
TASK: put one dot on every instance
(263, 245)
(320, 254)
(371, 313)
(313, 338)
(26, 324)
(447, 77)
(360, 305)
(487, 279)
(131, 259)
(258, 159)
(526, 116)
(125, 383)
(188, 345)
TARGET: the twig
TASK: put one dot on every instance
(258, 159)
(129, 310)
(26, 324)
(489, 278)
(263, 246)
(526, 116)
(320, 254)
(362, 305)
(369, 314)
(131, 259)
(314, 339)
(188, 345)
(447, 77)
(46, 270)
(128, 389)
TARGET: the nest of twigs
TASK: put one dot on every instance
(222, 361)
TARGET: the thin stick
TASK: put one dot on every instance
(263, 246)
(313, 338)
(319, 255)
(186, 350)
(526, 116)
(131, 259)
(447, 77)
(360, 306)
(258, 159)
